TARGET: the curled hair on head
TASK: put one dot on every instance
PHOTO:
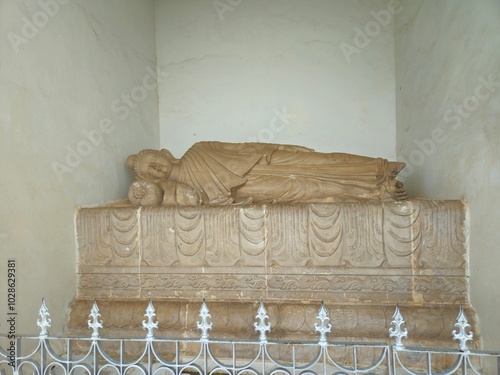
(133, 160)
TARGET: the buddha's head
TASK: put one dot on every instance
(151, 165)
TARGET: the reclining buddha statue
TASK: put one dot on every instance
(218, 173)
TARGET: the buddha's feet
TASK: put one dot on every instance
(394, 189)
(398, 192)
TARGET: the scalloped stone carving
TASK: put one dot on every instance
(363, 256)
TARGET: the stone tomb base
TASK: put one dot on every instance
(360, 258)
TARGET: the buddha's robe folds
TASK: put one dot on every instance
(276, 173)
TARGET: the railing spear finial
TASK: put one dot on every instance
(205, 325)
(324, 326)
(150, 325)
(462, 324)
(397, 332)
(261, 326)
(94, 322)
(44, 322)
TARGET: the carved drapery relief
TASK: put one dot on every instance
(341, 235)
(107, 237)
(361, 258)
(363, 250)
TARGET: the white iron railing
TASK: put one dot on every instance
(206, 355)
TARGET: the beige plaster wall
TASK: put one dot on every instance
(448, 116)
(66, 127)
(318, 73)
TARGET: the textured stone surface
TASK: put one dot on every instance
(360, 258)
(371, 251)
(359, 322)
(221, 173)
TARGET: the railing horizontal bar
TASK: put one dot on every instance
(211, 341)
(409, 349)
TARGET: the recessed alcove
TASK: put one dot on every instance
(72, 107)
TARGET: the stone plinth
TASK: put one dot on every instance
(360, 258)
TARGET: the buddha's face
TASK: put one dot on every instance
(154, 166)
